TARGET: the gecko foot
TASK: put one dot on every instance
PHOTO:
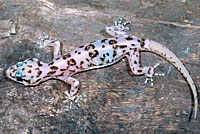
(43, 40)
(122, 23)
(72, 100)
(150, 76)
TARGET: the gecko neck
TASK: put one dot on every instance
(43, 73)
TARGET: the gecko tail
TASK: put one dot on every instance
(164, 52)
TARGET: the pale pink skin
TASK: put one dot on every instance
(92, 55)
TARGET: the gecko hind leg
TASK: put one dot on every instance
(133, 59)
(151, 76)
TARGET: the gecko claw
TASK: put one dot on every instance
(146, 81)
(72, 100)
(43, 40)
(150, 76)
(158, 74)
(122, 23)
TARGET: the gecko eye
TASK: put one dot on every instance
(20, 64)
(19, 74)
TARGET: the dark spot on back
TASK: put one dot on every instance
(82, 62)
(39, 73)
(29, 66)
(142, 44)
(114, 53)
(102, 59)
(103, 41)
(58, 58)
(81, 46)
(51, 63)
(29, 71)
(90, 65)
(72, 71)
(111, 42)
(71, 62)
(122, 46)
(87, 59)
(51, 72)
(53, 67)
(93, 54)
(115, 46)
(90, 46)
(39, 63)
(66, 56)
(60, 74)
(64, 69)
(129, 38)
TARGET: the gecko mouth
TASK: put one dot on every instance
(19, 79)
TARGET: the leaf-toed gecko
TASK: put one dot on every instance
(93, 55)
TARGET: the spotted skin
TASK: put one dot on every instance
(93, 55)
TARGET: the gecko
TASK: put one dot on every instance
(94, 55)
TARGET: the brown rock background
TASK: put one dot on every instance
(114, 100)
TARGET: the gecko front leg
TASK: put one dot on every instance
(119, 29)
(134, 63)
(72, 93)
(47, 42)
(56, 47)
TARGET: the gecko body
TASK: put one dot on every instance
(93, 55)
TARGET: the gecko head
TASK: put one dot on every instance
(25, 72)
